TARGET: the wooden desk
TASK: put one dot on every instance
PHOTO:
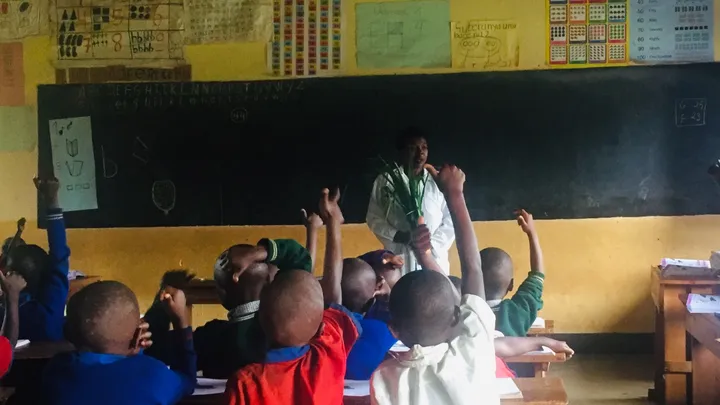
(705, 330)
(547, 330)
(540, 361)
(671, 365)
(42, 350)
(200, 291)
(536, 391)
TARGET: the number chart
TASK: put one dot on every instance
(666, 31)
(586, 32)
(119, 30)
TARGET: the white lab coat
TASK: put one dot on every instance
(385, 218)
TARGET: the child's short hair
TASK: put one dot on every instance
(422, 307)
(359, 283)
(102, 317)
(31, 262)
(291, 308)
(497, 270)
(408, 135)
(15, 242)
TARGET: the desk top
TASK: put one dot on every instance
(677, 280)
(537, 357)
(42, 350)
(536, 391)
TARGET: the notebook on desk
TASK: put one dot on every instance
(507, 389)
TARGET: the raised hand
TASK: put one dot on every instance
(329, 208)
(174, 303)
(48, 189)
(450, 179)
(526, 222)
(312, 221)
(12, 284)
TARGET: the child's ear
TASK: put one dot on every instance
(379, 285)
(456, 316)
(511, 285)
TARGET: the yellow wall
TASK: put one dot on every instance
(598, 269)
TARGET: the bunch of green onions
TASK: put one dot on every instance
(407, 195)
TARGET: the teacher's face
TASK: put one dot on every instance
(416, 153)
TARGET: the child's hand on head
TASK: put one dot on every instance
(391, 261)
(312, 221)
(329, 208)
(142, 339)
(174, 303)
(450, 179)
(12, 284)
(526, 222)
(560, 347)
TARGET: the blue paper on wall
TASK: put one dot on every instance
(667, 31)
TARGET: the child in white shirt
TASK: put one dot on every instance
(452, 356)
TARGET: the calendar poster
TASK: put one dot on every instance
(587, 32)
(667, 31)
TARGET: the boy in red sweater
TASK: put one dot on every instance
(308, 344)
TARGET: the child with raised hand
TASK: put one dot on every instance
(241, 273)
(308, 343)
(312, 223)
(515, 315)
(12, 285)
(452, 358)
(42, 302)
(108, 367)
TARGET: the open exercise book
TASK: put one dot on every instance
(703, 304)
(506, 388)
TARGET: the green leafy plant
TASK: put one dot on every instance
(407, 195)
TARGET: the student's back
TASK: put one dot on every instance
(84, 378)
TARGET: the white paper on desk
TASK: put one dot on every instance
(22, 343)
(354, 388)
(685, 263)
(209, 386)
(538, 323)
(703, 304)
(544, 350)
(507, 388)
(399, 347)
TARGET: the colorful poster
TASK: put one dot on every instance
(666, 31)
(23, 18)
(127, 32)
(586, 32)
(12, 74)
(74, 162)
(228, 20)
(307, 38)
(484, 45)
(403, 34)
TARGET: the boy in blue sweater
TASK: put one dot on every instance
(42, 303)
(108, 367)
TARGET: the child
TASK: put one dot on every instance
(12, 285)
(107, 367)
(452, 358)
(387, 267)
(241, 273)
(308, 345)
(42, 303)
(515, 315)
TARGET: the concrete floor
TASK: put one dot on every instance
(606, 380)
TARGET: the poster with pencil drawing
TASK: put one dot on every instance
(484, 45)
(228, 20)
(403, 34)
(74, 162)
(23, 18)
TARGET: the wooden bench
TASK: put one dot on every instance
(537, 391)
(671, 364)
(540, 361)
(705, 355)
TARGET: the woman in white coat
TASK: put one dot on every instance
(387, 220)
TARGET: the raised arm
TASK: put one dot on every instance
(421, 245)
(185, 365)
(444, 236)
(12, 285)
(332, 272)
(526, 222)
(450, 179)
(312, 223)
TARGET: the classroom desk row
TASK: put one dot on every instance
(536, 391)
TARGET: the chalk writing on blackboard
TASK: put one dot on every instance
(690, 112)
(141, 151)
(74, 162)
(163, 195)
(110, 168)
(238, 115)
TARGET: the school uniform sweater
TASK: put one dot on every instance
(42, 315)
(79, 378)
(514, 316)
(224, 346)
(370, 348)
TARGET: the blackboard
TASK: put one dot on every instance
(565, 144)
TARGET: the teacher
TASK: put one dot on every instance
(386, 218)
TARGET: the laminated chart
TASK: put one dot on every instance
(586, 32)
(666, 31)
(307, 38)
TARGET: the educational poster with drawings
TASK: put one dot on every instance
(484, 45)
(228, 20)
(23, 18)
(307, 38)
(127, 32)
(666, 31)
(586, 32)
(74, 162)
(403, 34)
